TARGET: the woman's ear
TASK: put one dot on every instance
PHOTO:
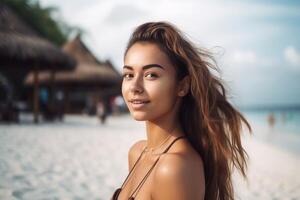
(184, 86)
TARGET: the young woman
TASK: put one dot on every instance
(193, 132)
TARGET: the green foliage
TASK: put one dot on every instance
(40, 19)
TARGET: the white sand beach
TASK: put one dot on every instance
(82, 159)
(273, 173)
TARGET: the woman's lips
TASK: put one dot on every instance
(138, 104)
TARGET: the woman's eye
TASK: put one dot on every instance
(151, 75)
(127, 76)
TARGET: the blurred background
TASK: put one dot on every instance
(64, 128)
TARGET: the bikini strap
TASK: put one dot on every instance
(137, 189)
(133, 167)
(167, 149)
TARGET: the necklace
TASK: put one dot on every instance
(147, 149)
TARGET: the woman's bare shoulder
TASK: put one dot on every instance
(181, 171)
(135, 151)
(187, 164)
(137, 147)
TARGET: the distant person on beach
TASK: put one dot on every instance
(271, 120)
(101, 112)
(193, 132)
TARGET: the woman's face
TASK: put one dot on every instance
(149, 82)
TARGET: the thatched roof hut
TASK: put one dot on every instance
(89, 71)
(91, 77)
(85, 75)
(22, 49)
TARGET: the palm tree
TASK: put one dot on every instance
(41, 20)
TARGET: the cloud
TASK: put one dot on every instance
(237, 62)
(254, 60)
(244, 57)
(123, 13)
(292, 56)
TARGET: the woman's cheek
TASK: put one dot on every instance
(160, 90)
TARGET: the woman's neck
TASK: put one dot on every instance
(157, 133)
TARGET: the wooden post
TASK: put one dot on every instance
(52, 93)
(66, 99)
(36, 95)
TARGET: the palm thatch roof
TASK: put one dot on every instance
(83, 75)
(89, 71)
(20, 46)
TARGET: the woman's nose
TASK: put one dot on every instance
(137, 85)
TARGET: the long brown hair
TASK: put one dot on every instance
(213, 126)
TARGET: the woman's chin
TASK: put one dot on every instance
(139, 116)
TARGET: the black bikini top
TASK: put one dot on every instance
(136, 190)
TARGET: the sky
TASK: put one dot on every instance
(256, 42)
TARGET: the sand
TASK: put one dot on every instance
(82, 159)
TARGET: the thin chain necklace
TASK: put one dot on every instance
(162, 143)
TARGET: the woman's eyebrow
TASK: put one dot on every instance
(144, 67)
